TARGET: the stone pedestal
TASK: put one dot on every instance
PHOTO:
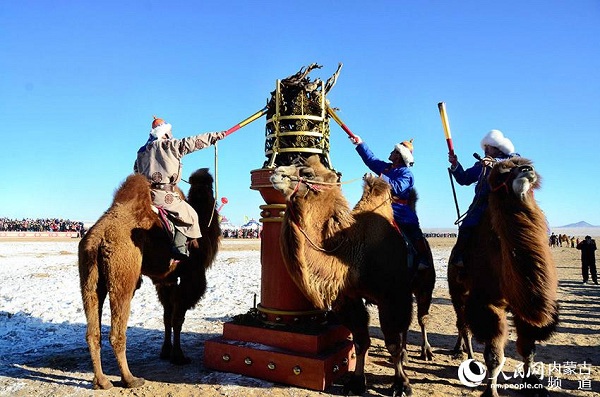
(285, 339)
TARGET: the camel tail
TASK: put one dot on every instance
(89, 279)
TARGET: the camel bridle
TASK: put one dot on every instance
(504, 183)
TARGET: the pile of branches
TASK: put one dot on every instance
(299, 96)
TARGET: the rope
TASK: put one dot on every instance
(313, 182)
(296, 221)
(212, 213)
(315, 246)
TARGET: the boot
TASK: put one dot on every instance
(457, 254)
(459, 248)
(422, 254)
(179, 249)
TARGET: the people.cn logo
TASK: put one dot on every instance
(471, 373)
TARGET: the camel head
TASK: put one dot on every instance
(515, 176)
(303, 177)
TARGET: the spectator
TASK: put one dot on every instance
(588, 259)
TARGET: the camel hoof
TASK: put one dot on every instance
(356, 386)
(102, 384)
(180, 360)
(426, 355)
(134, 382)
(404, 357)
(401, 390)
(166, 349)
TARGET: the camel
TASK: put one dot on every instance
(338, 257)
(509, 267)
(129, 241)
(422, 281)
(564, 239)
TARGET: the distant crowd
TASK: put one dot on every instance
(562, 240)
(240, 233)
(41, 225)
(446, 234)
(253, 233)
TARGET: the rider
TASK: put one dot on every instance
(401, 180)
(496, 148)
(159, 160)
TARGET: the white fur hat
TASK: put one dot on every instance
(160, 128)
(405, 149)
(497, 139)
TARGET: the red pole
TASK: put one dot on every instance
(340, 122)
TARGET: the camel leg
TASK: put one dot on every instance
(463, 342)
(177, 356)
(463, 345)
(393, 322)
(93, 305)
(354, 316)
(493, 330)
(167, 347)
(404, 351)
(120, 307)
(423, 305)
(526, 348)
(94, 292)
(494, 358)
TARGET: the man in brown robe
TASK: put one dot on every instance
(160, 161)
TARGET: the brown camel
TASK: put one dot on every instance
(564, 239)
(129, 241)
(339, 257)
(509, 267)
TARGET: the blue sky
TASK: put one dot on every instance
(80, 81)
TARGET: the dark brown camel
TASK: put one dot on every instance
(423, 282)
(509, 267)
(129, 241)
(339, 257)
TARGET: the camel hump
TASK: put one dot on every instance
(135, 189)
(201, 177)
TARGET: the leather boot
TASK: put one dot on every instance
(179, 249)
(422, 254)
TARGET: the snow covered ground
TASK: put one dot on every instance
(42, 318)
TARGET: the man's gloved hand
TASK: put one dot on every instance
(488, 161)
(453, 159)
(355, 139)
(221, 135)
